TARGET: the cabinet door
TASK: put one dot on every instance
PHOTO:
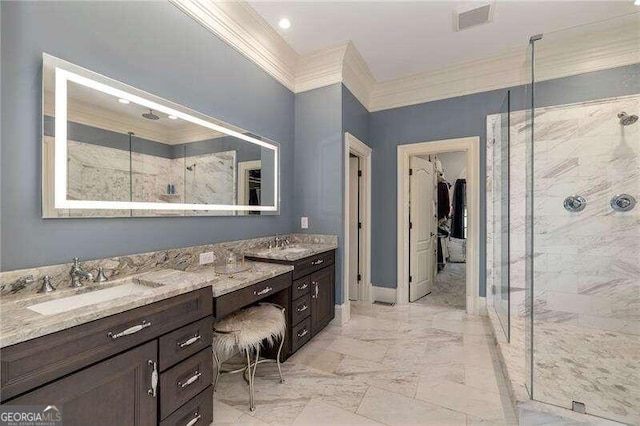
(113, 392)
(322, 299)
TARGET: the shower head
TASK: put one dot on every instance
(626, 119)
(191, 167)
(150, 115)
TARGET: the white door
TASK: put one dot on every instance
(353, 228)
(422, 243)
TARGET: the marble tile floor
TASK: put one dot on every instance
(449, 288)
(390, 365)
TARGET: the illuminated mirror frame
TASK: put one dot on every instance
(63, 75)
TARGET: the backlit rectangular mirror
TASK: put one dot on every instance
(111, 150)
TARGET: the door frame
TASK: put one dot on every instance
(353, 145)
(243, 183)
(471, 146)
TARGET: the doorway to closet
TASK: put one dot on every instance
(438, 230)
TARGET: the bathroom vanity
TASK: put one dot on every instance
(312, 296)
(145, 366)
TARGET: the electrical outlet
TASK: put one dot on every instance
(304, 222)
(206, 258)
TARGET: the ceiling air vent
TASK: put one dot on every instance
(472, 15)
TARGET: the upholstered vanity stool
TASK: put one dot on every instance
(245, 331)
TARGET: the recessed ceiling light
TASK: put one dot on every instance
(173, 117)
(124, 101)
(637, 2)
(284, 23)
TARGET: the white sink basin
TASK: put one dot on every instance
(293, 250)
(288, 250)
(65, 304)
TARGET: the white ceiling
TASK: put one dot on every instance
(403, 38)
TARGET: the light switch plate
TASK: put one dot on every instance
(304, 222)
(206, 258)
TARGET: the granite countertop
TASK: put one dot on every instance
(18, 323)
(225, 283)
(292, 253)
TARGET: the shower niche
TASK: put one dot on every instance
(111, 150)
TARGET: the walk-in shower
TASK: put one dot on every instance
(569, 244)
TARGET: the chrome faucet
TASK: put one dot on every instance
(78, 273)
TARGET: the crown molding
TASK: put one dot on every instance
(239, 25)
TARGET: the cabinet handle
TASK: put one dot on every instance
(303, 286)
(302, 308)
(154, 379)
(317, 262)
(190, 341)
(130, 330)
(190, 380)
(315, 290)
(194, 420)
(263, 291)
(303, 333)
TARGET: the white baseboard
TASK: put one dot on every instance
(343, 314)
(477, 306)
(383, 294)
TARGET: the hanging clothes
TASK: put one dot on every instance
(459, 202)
(444, 205)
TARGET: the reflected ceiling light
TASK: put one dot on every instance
(173, 117)
(637, 2)
(124, 101)
(284, 23)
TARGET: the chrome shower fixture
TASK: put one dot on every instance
(626, 119)
(191, 167)
(150, 115)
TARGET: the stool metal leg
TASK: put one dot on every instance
(215, 381)
(278, 359)
(251, 375)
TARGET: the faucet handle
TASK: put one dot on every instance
(101, 277)
(46, 285)
(76, 260)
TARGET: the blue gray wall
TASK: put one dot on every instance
(319, 166)
(355, 117)
(455, 118)
(149, 45)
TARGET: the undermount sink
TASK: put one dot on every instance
(283, 250)
(128, 287)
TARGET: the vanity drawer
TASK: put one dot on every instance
(301, 334)
(196, 412)
(235, 300)
(184, 342)
(184, 381)
(301, 287)
(35, 362)
(300, 309)
(313, 263)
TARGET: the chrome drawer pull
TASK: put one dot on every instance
(302, 308)
(190, 341)
(318, 262)
(190, 380)
(130, 330)
(303, 286)
(194, 420)
(303, 333)
(154, 379)
(263, 291)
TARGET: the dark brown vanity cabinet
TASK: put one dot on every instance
(312, 297)
(146, 366)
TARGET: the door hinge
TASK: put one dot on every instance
(410, 172)
(410, 225)
(410, 278)
(359, 173)
(359, 277)
(359, 225)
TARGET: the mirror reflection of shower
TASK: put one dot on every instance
(626, 119)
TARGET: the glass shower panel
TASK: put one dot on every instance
(500, 181)
(586, 242)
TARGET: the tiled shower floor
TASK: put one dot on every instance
(393, 365)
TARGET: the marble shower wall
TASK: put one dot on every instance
(586, 264)
(101, 173)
